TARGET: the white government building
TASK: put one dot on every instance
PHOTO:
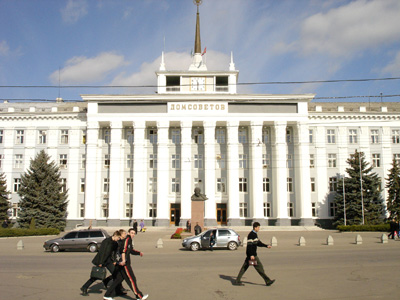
(275, 159)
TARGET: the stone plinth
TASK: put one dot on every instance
(197, 214)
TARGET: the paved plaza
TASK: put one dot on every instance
(315, 271)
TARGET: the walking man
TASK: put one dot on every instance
(251, 256)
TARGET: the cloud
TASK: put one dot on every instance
(4, 48)
(351, 28)
(393, 67)
(74, 10)
(79, 70)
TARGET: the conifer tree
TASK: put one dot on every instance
(371, 199)
(393, 186)
(41, 195)
(4, 204)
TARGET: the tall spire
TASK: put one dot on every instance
(197, 60)
(197, 41)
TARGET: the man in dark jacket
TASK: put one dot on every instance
(251, 255)
(104, 258)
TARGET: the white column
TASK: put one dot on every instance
(163, 178)
(140, 184)
(9, 139)
(30, 143)
(233, 173)
(209, 173)
(387, 158)
(52, 143)
(280, 198)
(256, 174)
(364, 142)
(93, 175)
(303, 183)
(186, 171)
(343, 150)
(321, 162)
(115, 200)
(73, 180)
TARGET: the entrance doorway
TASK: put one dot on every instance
(175, 214)
(221, 213)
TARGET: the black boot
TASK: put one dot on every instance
(84, 291)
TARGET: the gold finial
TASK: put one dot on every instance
(197, 2)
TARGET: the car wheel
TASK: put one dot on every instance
(55, 248)
(92, 247)
(194, 246)
(232, 246)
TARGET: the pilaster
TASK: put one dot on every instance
(186, 172)
(209, 173)
(140, 183)
(233, 173)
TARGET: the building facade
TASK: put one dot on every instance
(275, 159)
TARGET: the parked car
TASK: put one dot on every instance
(85, 239)
(224, 238)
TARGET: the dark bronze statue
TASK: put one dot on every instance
(198, 196)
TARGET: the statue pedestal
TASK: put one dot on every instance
(197, 214)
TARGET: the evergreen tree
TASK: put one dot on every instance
(371, 199)
(393, 186)
(41, 195)
(4, 204)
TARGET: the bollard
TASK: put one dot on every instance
(302, 241)
(384, 238)
(20, 245)
(358, 239)
(274, 242)
(160, 243)
(329, 241)
(245, 241)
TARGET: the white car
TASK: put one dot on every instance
(224, 238)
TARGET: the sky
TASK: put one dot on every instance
(48, 47)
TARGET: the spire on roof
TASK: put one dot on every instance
(162, 65)
(197, 41)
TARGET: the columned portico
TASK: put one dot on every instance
(233, 173)
(209, 173)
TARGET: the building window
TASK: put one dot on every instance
(312, 180)
(221, 185)
(331, 136)
(1, 160)
(313, 209)
(311, 136)
(289, 182)
(198, 161)
(20, 137)
(198, 136)
(374, 136)
(290, 207)
(353, 136)
(267, 209)
(175, 185)
(242, 135)
(106, 160)
(265, 135)
(82, 185)
(63, 161)
(396, 136)
(15, 209)
(130, 136)
(265, 161)
(221, 161)
(220, 134)
(396, 157)
(153, 136)
(107, 135)
(153, 161)
(243, 210)
(129, 185)
(64, 136)
(152, 185)
(18, 161)
(243, 161)
(106, 185)
(331, 160)
(176, 161)
(332, 184)
(42, 136)
(128, 210)
(17, 184)
(289, 161)
(82, 210)
(63, 185)
(376, 160)
(243, 185)
(129, 161)
(312, 161)
(1, 136)
(83, 136)
(266, 185)
(83, 161)
(332, 209)
(104, 208)
(289, 136)
(152, 210)
(176, 136)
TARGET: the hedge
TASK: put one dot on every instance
(10, 232)
(380, 227)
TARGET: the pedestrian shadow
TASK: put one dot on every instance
(232, 280)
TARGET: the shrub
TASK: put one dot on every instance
(11, 232)
(380, 227)
(176, 236)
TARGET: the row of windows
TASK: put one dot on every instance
(353, 136)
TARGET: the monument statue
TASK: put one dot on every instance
(198, 196)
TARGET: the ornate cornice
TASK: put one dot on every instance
(33, 117)
(352, 117)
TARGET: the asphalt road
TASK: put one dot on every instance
(315, 271)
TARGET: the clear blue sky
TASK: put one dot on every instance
(119, 42)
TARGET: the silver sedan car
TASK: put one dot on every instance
(224, 238)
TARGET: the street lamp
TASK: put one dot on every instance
(344, 201)
(361, 185)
